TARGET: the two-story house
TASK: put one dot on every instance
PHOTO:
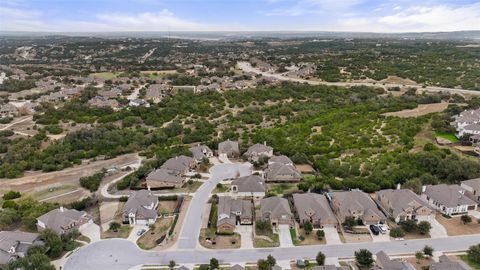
(356, 204)
(448, 199)
(232, 212)
(140, 208)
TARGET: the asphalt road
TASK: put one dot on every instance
(190, 231)
(245, 66)
(120, 254)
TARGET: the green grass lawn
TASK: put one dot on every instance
(293, 234)
(472, 264)
(280, 189)
(447, 136)
(262, 243)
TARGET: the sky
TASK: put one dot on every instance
(390, 16)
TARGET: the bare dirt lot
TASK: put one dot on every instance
(35, 181)
(422, 109)
(455, 226)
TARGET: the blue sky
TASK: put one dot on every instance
(239, 15)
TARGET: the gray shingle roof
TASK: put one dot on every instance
(385, 263)
(251, 183)
(356, 201)
(163, 175)
(312, 205)
(280, 159)
(228, 147)
(178, 165)
(275, 207)
(473, 183)
(200, 151)
(401, 200)
(138, 202)
(10, 239)
(448, 195)
(258, 149)
(446, 264)
(277, 171)
(60, 219)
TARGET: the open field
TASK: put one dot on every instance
(455, 226)
(34, 181)
(422, 109)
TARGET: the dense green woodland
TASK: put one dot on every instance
(341, 132)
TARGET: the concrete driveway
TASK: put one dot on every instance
(437, 231)
(92, 231)
(331, 236)
(284, 236)
(474, 214)
(246, 236)
(133, 237)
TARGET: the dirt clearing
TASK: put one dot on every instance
(422, 109)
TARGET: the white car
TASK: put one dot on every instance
(383, 228)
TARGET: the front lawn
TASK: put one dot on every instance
(474, 265)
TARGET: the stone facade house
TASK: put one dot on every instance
(403, 204)
(63, 220)
(200, 152)
(277, 211)
(229, 149)
(314, 208)
(448, 199)
(256, 151)
(140, 208)
(356, 204)
(232, 212)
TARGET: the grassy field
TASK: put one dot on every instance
(105, 75)
(472, 264)
(447, 136)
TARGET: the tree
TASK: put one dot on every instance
(364, 257)
(428, 250)
(262, 264)
(271, 261)
(114, 226)
(408, 225)
(419, 256)
(473, 253)
(397, 232)
(424, 227)
(320, 258)
(53, 242)
(214, 264)
(320, 234)
(10, 195)
(466, 219)
(171, 264)
(308, 227)
(350, 222)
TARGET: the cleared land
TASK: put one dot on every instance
(455, 226)
(422, 109)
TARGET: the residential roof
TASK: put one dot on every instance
(277, 169)
(356, 201)
(473, 127)
(401, 200)
(312, 205)
(228, 147)
(448, 195)
(61, 218)
(446, 264)
(200, 151)
(236, 267)
(257, 149)
(473, 183)
(138, 202)
(385, 263)
(10, 239)
(280, 159)
(178, 164)
(275, 207)
(329, 267)
(163, 175)
(228, 207)
(251, 183)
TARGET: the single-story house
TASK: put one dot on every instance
(161, 178)
(403, 204)
(276, 210)
(445, 263)
(448, 199)
(140, 208)
(232, 212)
(248, 186)
(330, 267)
(63, 220)
(280, 173)
(356, 204)
(14, 244)
(179, 165)
(229, 149)
(472, 188)
(314, 208)
(258, 150)
(200, 152)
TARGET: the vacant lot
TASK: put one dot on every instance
(59, 193)
(209, 239)
(422, 109)
(455, 226)
(355, 238)
(124, 230)
(308, 239)
(149, 239)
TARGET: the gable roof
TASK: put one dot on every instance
(277, 169)
(448, 195)
(228, 207)
(178, 164)
(138, 202)
(473, 183)
(401, 199)
(163, 175)
(61, 218)
(10, 239)
(275, 207)
(281, 159)
(199, 152)
(228, 147)
(251, 183)
(385, 263)
(444, 263)
(312, 205)
(356, 201)
(258, 148)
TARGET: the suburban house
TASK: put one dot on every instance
(314, 208)
(179, 165)
(280, 159)
(63, 220)
(383, 262)
(200, 152)
(161, 178)
(14, 244)
(472, 189)
(445, 263)
(403, 204)
(467, 122)
(258, 150)
(279, 172)
(140, 208)
(8, 110)
(248, 186)
(232, 212)
(101, 102)
(356, 204)
(276, 210)
(448, 199)
(229, 149)
(330, 267)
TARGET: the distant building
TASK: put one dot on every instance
(63, 220)
(14, 244)
(259, 150)
(200, 152)
(472, 189)
(8, 110)
(467, 122)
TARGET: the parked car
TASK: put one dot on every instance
(140, 232)
(383, 228)
(374, 229)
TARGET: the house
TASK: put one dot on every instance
(356, 204)
(14, 244)
(444, 263)
(63, 220)
(330, 267)
(8, 110)
(448, 199)
(314, 208)
(138, 102)
(248, 186)
(472, 189)
(229, 149)
(465, 122)
(383, 262)
(236, 267)
(473, 129)
(280, 159)
(232, 212)
(101, 102)
(276, 210)
(161, 178)
(200, 152)
(179, 165)
(280, 173)
(140, 208)
(403, 204)
(258, 150)
(156, 92)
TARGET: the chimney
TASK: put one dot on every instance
(424, 188)
(61, 209)
(399, 186)
(265, 143)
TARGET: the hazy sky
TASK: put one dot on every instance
(239, 15)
